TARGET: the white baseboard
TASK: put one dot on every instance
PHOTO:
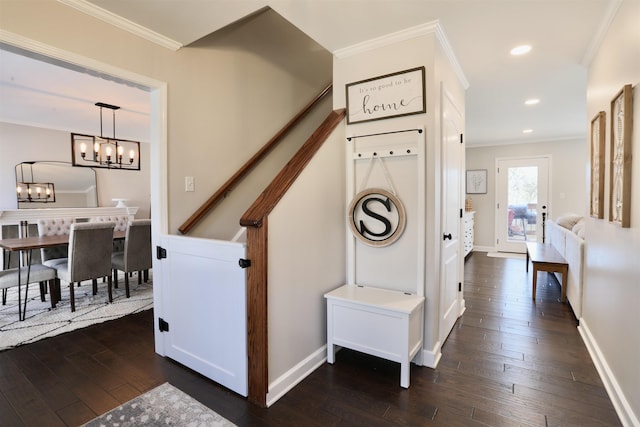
(430, 358)
(484, 249)
(293, 376)
(620, 403)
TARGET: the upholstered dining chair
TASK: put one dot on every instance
(38, 273)
(89, 256)
(137, 253)
(54, 227)
(121, 222)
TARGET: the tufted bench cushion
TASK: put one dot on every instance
(54, 227)
(121, 221)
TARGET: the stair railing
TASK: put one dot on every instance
(232, 182)
(256, 221)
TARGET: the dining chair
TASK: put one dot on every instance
(121, 222)
(137, 253)
(54, 227)
(89, 256)
(36, 273)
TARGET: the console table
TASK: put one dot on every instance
(380, 322)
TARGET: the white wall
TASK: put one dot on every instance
(25, 143)
(610, 314)
(567, 186)
(423, 49)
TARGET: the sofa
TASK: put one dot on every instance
(566, 235)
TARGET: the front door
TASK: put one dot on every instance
(451, 263)
(522, 188)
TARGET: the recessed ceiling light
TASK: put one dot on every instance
(521, 50)
(532, 101)
(527, 131)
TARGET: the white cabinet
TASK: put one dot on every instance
(468, 232)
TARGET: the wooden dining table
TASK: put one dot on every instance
(27, 245)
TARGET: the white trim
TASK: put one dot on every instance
(122, 23)
(407, 34)
(477, 248)
(293, 376)
(620, 403)
(14, 216)
(451, 56)
(603, 28)
(431, 358)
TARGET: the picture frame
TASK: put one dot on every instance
(620, 157)
(598, 131)
(383, 97)
(476, 181)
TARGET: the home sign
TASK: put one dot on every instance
(392, 95)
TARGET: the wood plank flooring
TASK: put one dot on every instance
(507, 362)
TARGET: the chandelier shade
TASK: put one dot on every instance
(104, 152)
(100, 152)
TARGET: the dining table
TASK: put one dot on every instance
(26, 245)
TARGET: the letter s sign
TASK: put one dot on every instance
(376, 217)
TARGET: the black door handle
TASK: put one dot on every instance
(446, 236)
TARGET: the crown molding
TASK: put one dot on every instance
(432, 27)
(122, 23)
(598, 38)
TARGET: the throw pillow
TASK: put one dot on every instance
(568, 220)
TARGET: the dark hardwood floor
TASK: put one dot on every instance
(507, 362)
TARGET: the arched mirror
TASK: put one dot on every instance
(55, 185)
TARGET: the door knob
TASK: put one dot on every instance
(446, 236)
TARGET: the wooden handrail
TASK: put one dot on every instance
(250, 164)
(256, 219)
(265, 203)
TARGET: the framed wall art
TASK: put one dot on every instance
(598, 125)
(477, 181)
(620, 171)
(392, 95)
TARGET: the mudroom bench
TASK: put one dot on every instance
(380, 322)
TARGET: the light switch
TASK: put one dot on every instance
(189, 183)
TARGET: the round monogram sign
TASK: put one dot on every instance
(376, 217)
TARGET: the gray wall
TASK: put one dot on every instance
(610, 315)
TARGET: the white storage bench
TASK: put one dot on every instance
(380, 322)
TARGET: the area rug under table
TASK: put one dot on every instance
(165, 405)
(42, 321)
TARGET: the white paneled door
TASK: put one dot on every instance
(203, 302)
(451, 263)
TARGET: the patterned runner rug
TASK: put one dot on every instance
(43, 322)
(164, 405)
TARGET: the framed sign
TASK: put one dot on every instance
(597, 165)
(620, 173)
(477, 181)
(392, 95)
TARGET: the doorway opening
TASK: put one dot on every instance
(522, 198)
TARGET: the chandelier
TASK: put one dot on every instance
(104, 152)
(30, 191)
